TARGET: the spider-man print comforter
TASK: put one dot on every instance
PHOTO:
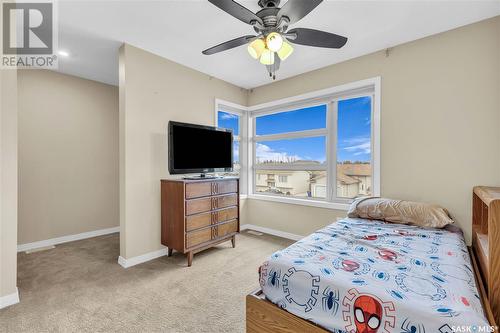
(366, 276)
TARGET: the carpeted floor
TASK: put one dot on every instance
(79, 287)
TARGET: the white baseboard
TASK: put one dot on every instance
(9, 300)
(126, 263)
(65, 239)
(273, 232)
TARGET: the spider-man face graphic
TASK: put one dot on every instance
(387, 255)
(349, 265)
(367, 314)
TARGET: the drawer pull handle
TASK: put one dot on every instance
(215, 188)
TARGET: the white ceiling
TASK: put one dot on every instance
(92, 31)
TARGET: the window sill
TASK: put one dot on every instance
(302, 202)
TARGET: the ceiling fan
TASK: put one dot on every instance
(271, 23)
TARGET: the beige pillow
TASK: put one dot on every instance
(400, 211)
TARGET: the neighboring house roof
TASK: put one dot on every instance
(295, 163)
(346, 179)
(358, 169)
(347, 172)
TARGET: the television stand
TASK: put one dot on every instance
(201, 176)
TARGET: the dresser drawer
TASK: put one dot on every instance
(198, 221)
(228, 186)
(198, 206)
(227, 228)
(194, 238)
(226, 201)
(197, 190)
(226, 214)
(195, 206)
(205, 189)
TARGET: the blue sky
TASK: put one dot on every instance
(354, 132)
(228, 120)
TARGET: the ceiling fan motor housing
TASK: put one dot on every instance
(269, 3)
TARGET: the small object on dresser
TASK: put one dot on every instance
(199, 214)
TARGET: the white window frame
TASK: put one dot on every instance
(330, 96)
(242, 137)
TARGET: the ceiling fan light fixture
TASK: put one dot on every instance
(267, 57)
(256, 48)
(274, 41)
(285, 51)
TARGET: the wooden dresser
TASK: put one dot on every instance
(198, 214)
(486, 241)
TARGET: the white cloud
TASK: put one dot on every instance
(266, 153)
(236, 152)
(358, 146)
(225, 116)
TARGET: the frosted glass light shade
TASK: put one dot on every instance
(285, 51)
(274, 41)
(267, 57)
(256, 48)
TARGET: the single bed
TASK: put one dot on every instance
(360, 275)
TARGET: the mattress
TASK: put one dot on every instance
(368, 276)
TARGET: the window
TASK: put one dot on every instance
(317, 148)
(354, 169)
(290, 147)
(231, 121)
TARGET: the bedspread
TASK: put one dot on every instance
(367, 276)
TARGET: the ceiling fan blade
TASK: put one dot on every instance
(295, 10)
(235, 9)
(311, 37)
(229, 44)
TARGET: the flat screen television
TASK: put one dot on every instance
(199, 149)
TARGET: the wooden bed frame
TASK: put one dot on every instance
(263, 316)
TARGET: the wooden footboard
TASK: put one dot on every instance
(265, 317)
(481, 287)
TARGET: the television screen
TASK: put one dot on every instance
(199, 149)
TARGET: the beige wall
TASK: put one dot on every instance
(154, 90)
(8, 181)
(439, 118)
(68, 155)
(290, 218)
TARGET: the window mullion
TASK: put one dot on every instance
(292, 135)
(253, 155)
(332, 153)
